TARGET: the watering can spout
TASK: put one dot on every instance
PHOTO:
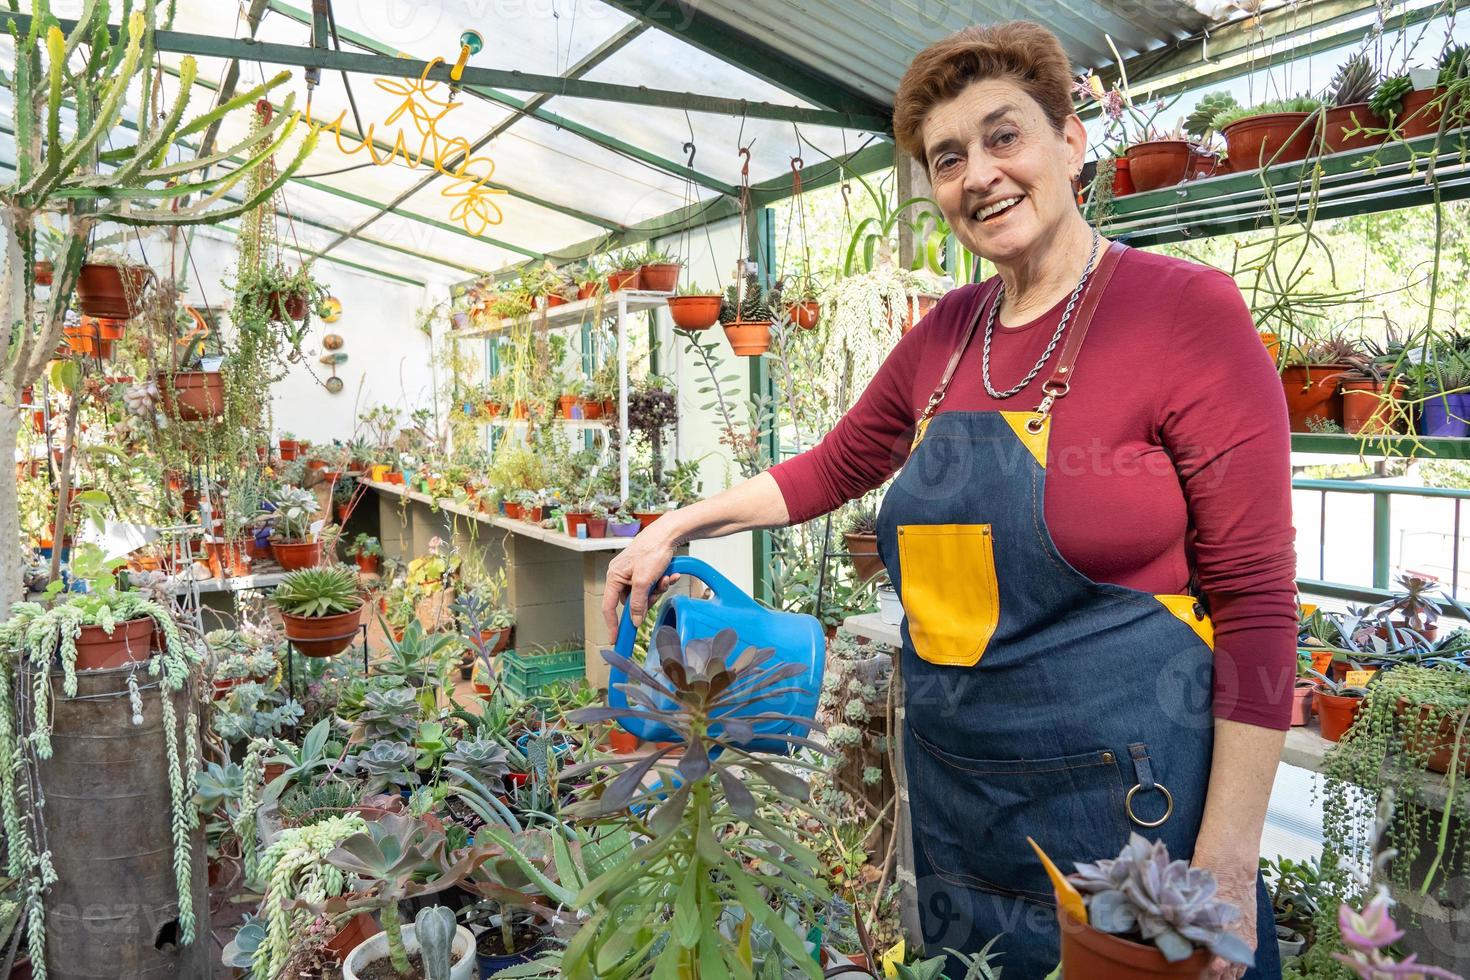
(795, 638)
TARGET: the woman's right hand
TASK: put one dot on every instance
(638, 570)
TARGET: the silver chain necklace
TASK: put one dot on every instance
(1056, 335)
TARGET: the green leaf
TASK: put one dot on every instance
(686, 908)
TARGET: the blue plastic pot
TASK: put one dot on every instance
(1445, 415)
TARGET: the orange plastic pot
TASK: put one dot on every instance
(1270, 138)
(290, 449)
(1094, 955)
(1335, 714)
(291, 306)
(863, 550)
(588, 290)
(112, 291)
(129, 642)
(367, 564)
(1163, 163)
(575, 521)
(1342, 118)
(645, 518)
(623, 742)
(1367, 406)
(566, 406)
(358, 930)
(1420, 113)
(626, 279)
(107, 328)
(805, 314)
(749, 338)
(200, 394)
(694, 312)
(513, 510)
(322, 636)
(1313, 391)
(296, 555)
(1122, 178)
(44, 272)
(914, 310)
(591, 408)
(228, 559)
(661, 277)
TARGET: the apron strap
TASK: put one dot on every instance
(1059, 383)
(954, 359)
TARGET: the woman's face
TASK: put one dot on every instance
(1001, 173)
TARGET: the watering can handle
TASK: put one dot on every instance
(725, 591)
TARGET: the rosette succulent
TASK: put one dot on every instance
(480, 757)
(1141, 893)
(385, 764)
(390, 715)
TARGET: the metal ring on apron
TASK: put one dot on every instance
(1168, 810)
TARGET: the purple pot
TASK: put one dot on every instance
(623, 530)
(1446, 415)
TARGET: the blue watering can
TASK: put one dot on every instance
(796, 638)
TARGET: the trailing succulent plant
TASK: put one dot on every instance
(752, 303)
(1355, 81)
(1169, 904)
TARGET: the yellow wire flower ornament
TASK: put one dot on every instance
(474, 206)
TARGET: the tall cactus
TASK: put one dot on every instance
(77, 171)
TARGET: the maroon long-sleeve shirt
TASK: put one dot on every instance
(1170, 452)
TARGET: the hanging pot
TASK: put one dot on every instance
(805, 314)
(694, 312)
(296, 555)
(130, 641)
(1367, 406)
(110, 329)
(200, 394)
(1270, 138)
(749, 338)
(661, 277)
(1312, 391)
(1341, 118)
(322, 636)
(286, 306)
(111, 290)
(915, 308)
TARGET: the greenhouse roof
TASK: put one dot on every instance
(616, 121)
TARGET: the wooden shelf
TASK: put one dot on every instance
(577, 312)
(1341, 444)
(1235, 203)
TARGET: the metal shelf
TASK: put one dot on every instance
(578, 312)
(1341, 444)
(1344, 185)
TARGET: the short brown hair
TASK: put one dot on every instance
(1026, 53)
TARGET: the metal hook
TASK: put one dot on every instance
(745, 167)
(797, 163)
(690, 149)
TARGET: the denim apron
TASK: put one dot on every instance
(1037, 701)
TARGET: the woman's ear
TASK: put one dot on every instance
(1074, 134)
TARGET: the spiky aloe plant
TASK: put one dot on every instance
(59, 170)
(1172, 906)
(1354, 82)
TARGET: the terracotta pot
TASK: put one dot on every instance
(44, 272)
(1441, 741)
(272, 772)
(588, 290)
(863, 550)
(1094, 955)
(322, 636)
(1122, 178)
(394, 477)
(296, 555)
(1267, 139)
(567, 406)
(1341, 118)
(200, 394)
(609, 407)
(914, 310)
(1312, 391)
(520, 410)
(622, 742)
(805, 314)
(257, 549)
(287, 307)
(1430, 632)
(312, 465)
(353, 933)
(1418, 117)
(493, 408)
(290, 449)
(576, 520)
(1367, 408)
(1335, 714)
(107, 328)
(513, 510)
(533, 514)
(228, 559)
(112, 291)
(591, 408)
(554, 299)
(645, 518)
(627, 279)
(131, 641)
(662, 277)
(1164, 163)
(367, 564)
(597, 527)
(1301, 703)
(495, 641)
(694, 312)
(749, 338)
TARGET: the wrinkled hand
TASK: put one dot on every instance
(636, 571)
(1238, 887)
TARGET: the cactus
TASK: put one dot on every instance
(1387, 100)
(434, 928)
(1354, 82)
(57, 172)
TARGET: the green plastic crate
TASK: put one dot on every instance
(528, 675)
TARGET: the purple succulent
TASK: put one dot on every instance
(1167, 903)
(1369, 933)
(1113, 105)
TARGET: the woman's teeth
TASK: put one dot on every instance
(996, 208)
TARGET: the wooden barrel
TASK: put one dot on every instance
(113, 911)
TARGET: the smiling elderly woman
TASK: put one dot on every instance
(1064, 515)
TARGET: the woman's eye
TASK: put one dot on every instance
(945, 162)
(1006, 137)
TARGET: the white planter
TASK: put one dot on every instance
(1289, 942)
(376, 947)
(1423, 78)
(890, 610)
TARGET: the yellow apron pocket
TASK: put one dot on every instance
(950, 595)
(1187, 609)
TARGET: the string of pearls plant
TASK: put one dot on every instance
(296, 872)
(34, 639)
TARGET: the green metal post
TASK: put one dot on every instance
(762, 248)
(1381, 530)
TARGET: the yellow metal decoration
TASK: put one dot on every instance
(473, 207)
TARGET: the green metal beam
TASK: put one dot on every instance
(490, 94)
(593, 58)
(708, 33)
(370, 64)
(762, 249)
(347, 263)
(1403, 447)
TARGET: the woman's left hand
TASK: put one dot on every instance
(1238, 887)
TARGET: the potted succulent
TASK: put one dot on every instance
(1310, 378)
(589, 280)
(658, 271)
(597, 521)
(367, 551)
(747, 315)
(860, 532)
(1414, 608)
(1278, 131)
(1412, 109)
(622, 270)
(293, 543)
(1348, 113)
(1147, 916)
(290, 447)
(695, 308)
(108, 285)
(1441, 387)
(803, 303)
(624, 523)
(321, 609)
(1337, 705)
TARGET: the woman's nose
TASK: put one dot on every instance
(981, 173)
